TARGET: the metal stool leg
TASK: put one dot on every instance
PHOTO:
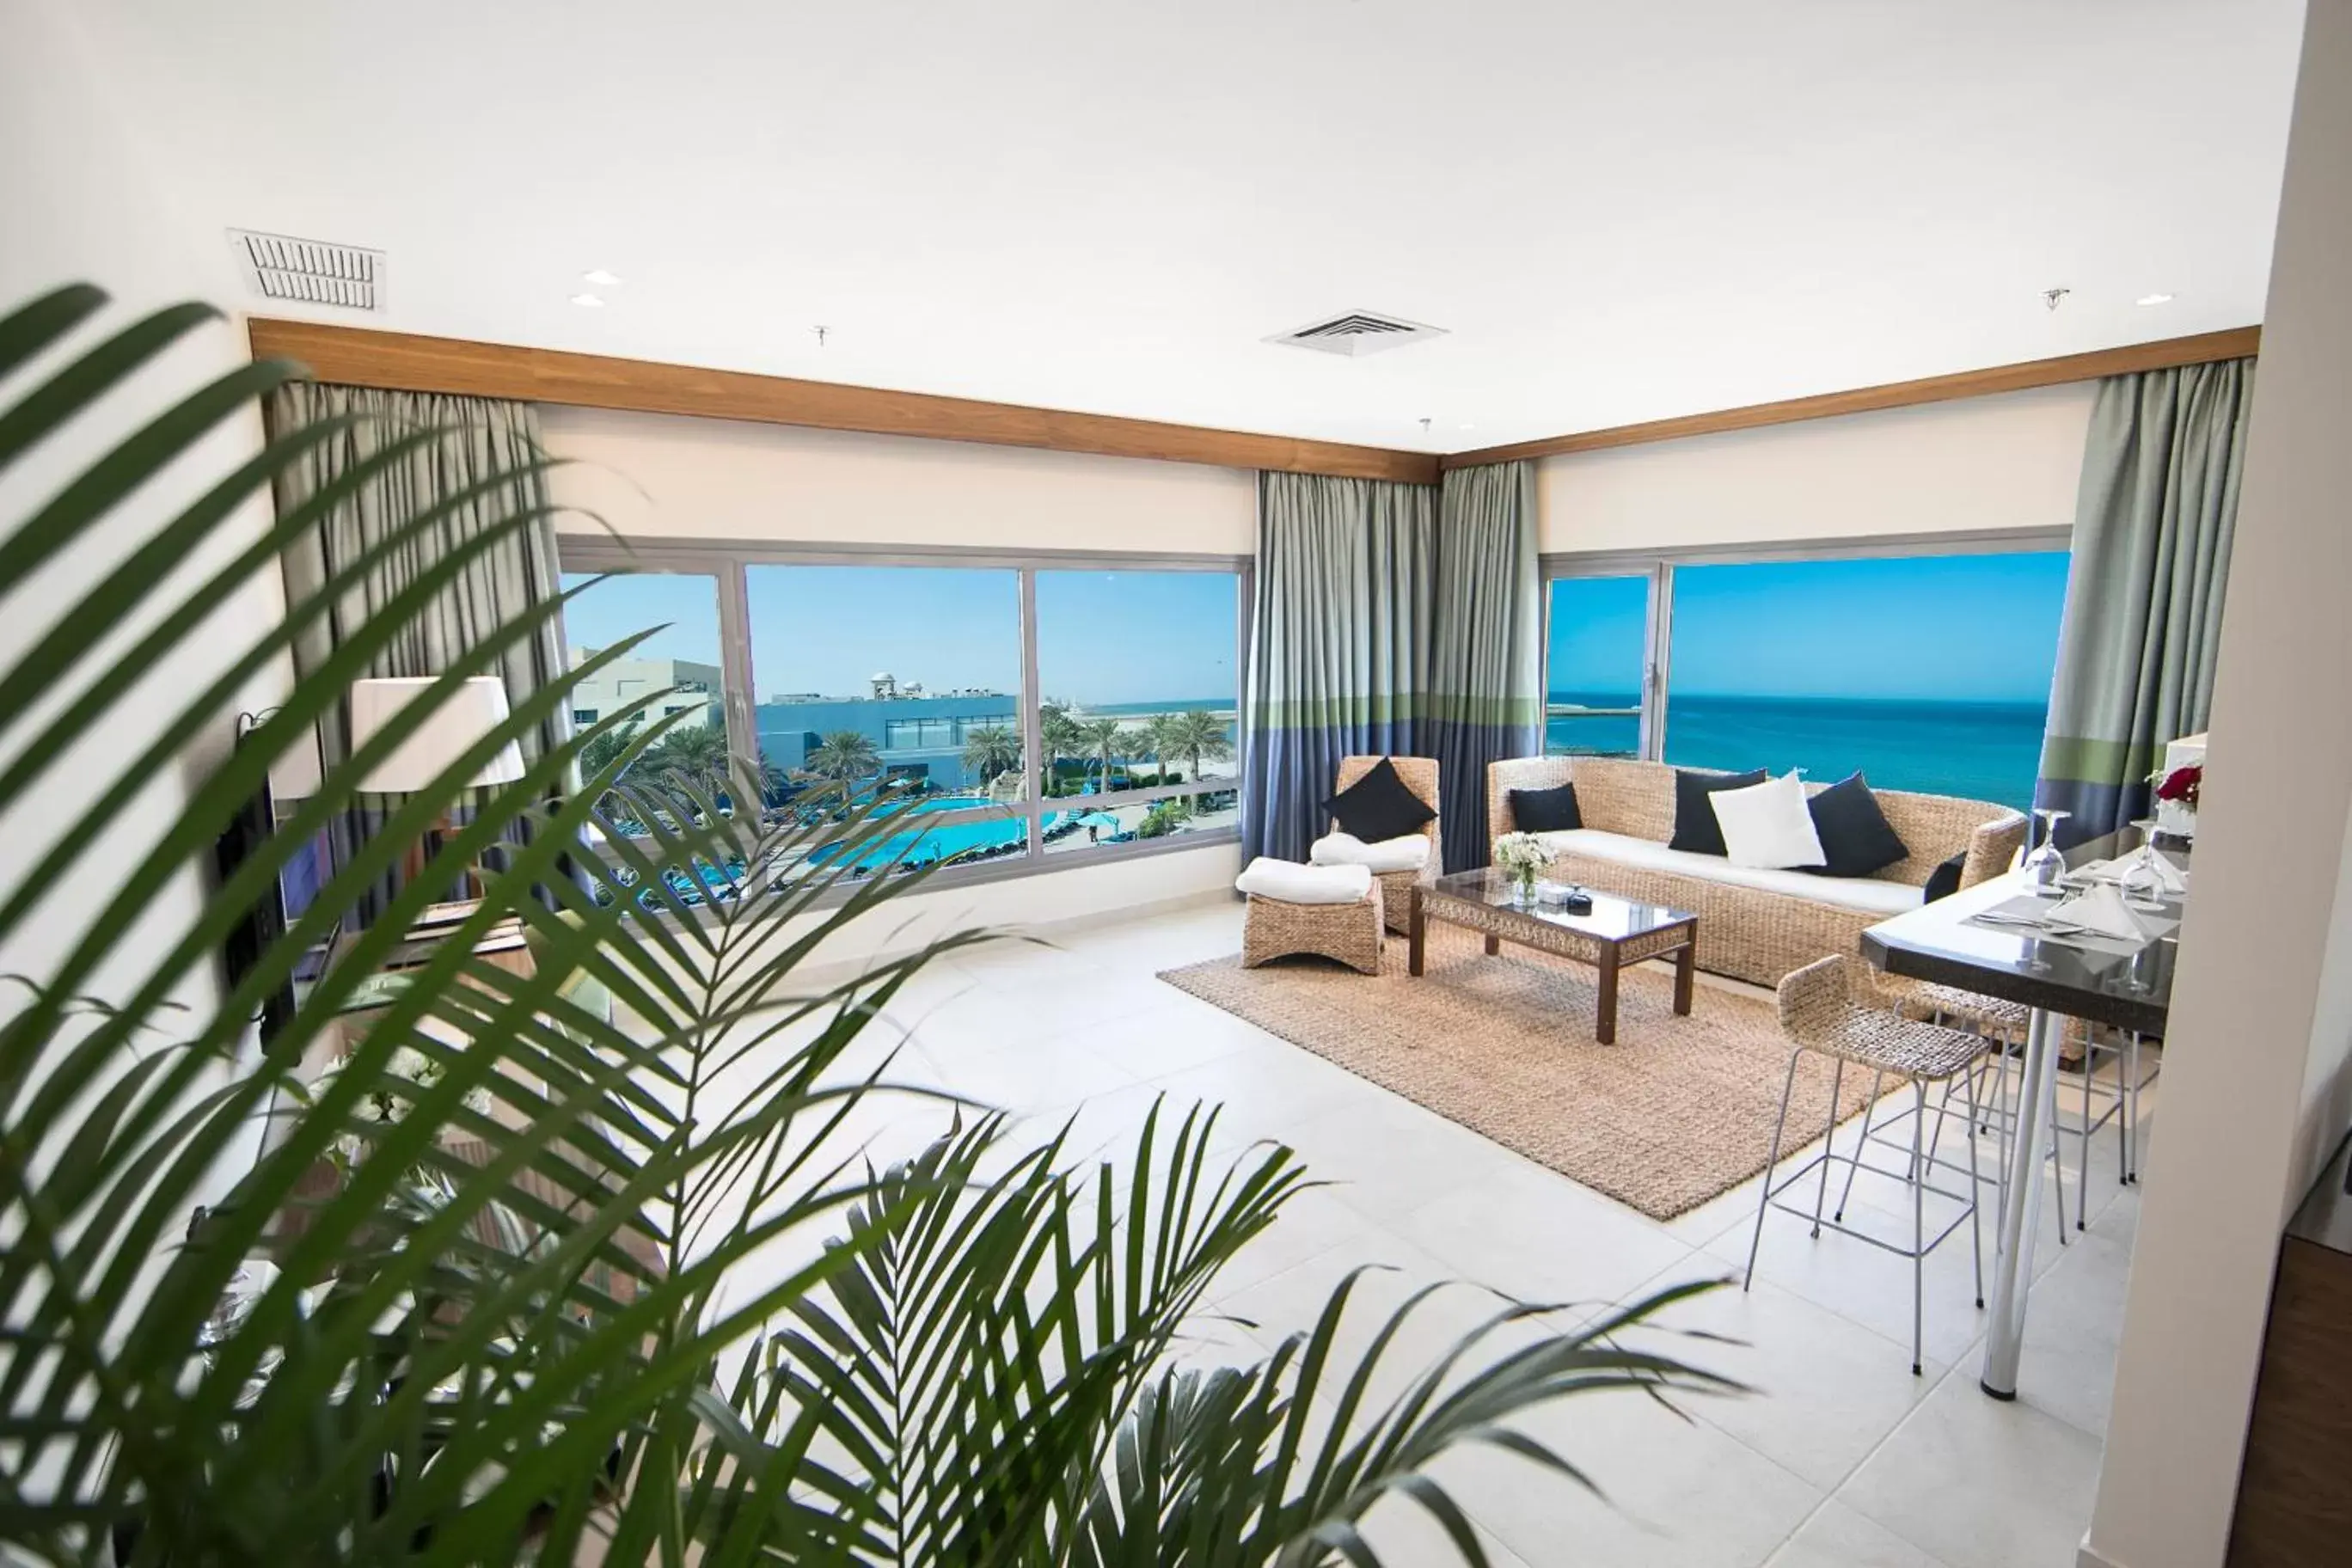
(2057, 1165)
(1868, 1111)
(1976, 1226)
(1829, 1137)
(1772, 1163)
(1918, 1223)
(2082, 1177)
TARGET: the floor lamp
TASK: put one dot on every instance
(458, 723)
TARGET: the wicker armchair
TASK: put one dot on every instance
(1419, 776)
(1346, 933)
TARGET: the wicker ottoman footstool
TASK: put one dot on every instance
(1348, 934)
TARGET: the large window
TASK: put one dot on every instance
(1136, 671)
(899, 679)
(1926, 672)
(1597, 668)
(1008, 711)
(679, 667)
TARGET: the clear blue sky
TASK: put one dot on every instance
(1948, 627)
(1102, 637)
(617, 606)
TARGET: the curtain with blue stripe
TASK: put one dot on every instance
(2153, 522)
(1389, 624)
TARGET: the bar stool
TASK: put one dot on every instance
(1820, 1013)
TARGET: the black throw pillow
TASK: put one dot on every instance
(1379, 805)
(1545, 810)
(1855, 839)
(1696, 828)
(1945, 879)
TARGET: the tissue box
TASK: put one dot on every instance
(2171, 815)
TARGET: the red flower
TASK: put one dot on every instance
(2182, 784)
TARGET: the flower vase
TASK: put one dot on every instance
(1523, 891)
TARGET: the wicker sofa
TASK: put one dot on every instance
(1753, 925)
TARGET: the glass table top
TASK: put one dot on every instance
(1612, 919)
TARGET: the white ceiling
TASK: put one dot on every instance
(1622, 212)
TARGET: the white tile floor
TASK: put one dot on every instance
(1842, 1457)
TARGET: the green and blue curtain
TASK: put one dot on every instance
(1390, 619)
(2153, 522)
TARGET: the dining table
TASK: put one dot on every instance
(1973, 940)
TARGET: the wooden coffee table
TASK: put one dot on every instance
(1617, 933)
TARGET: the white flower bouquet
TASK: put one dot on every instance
(1522, 858)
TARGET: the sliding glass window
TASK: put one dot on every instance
(1922, 669)
(1597, 666)
(1009, 710)
(1924, 672)
(1138, 672)
(674, 678)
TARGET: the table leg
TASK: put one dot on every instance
(1494, 945)
(2021, 1200)
(1685, 973)
(1415, 928)
(1604, 1020)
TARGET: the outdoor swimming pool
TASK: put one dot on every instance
(942, 841)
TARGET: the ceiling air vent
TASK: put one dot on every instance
(309, 271)
(1356, 334)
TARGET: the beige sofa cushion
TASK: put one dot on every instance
(1864, 893)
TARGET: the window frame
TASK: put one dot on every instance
(1660, 565)
(729, 561)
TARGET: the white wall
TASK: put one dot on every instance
(2261, 1045)
(81, 206)
(2002, 462)
(652, 475)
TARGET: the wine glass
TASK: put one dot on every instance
(2045, 867)
(2141, 884)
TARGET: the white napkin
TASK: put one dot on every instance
(2100, 910)
(1410, 853)
(2169, 876)
(1293, 883)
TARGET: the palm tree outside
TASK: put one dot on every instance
(1060, 735)
(1155, 734)
(990, 751)
(841, 759)
(1200, 735)
(695, 755)
(1104, 740)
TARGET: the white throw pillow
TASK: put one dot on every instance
(1767, 827)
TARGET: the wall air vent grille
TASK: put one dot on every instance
(309, 271)
(1357, 333)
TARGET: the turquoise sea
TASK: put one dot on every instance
(1983, 750)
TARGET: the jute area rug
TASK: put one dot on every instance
(1677, 1111)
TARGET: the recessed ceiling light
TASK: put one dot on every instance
(1466, 424)
(589, 302)
(2153, 300)
(602, 279)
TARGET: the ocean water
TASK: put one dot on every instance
(1983, 750)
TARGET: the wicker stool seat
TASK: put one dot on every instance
(1832, 1007)
(1989, 1015)
(1346, 933)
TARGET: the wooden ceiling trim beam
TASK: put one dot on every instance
(2235, 343)
(357, 357)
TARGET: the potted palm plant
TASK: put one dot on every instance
(648, 1307)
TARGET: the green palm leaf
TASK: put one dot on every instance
(538, 1261)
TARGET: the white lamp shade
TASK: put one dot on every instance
(464, 717)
